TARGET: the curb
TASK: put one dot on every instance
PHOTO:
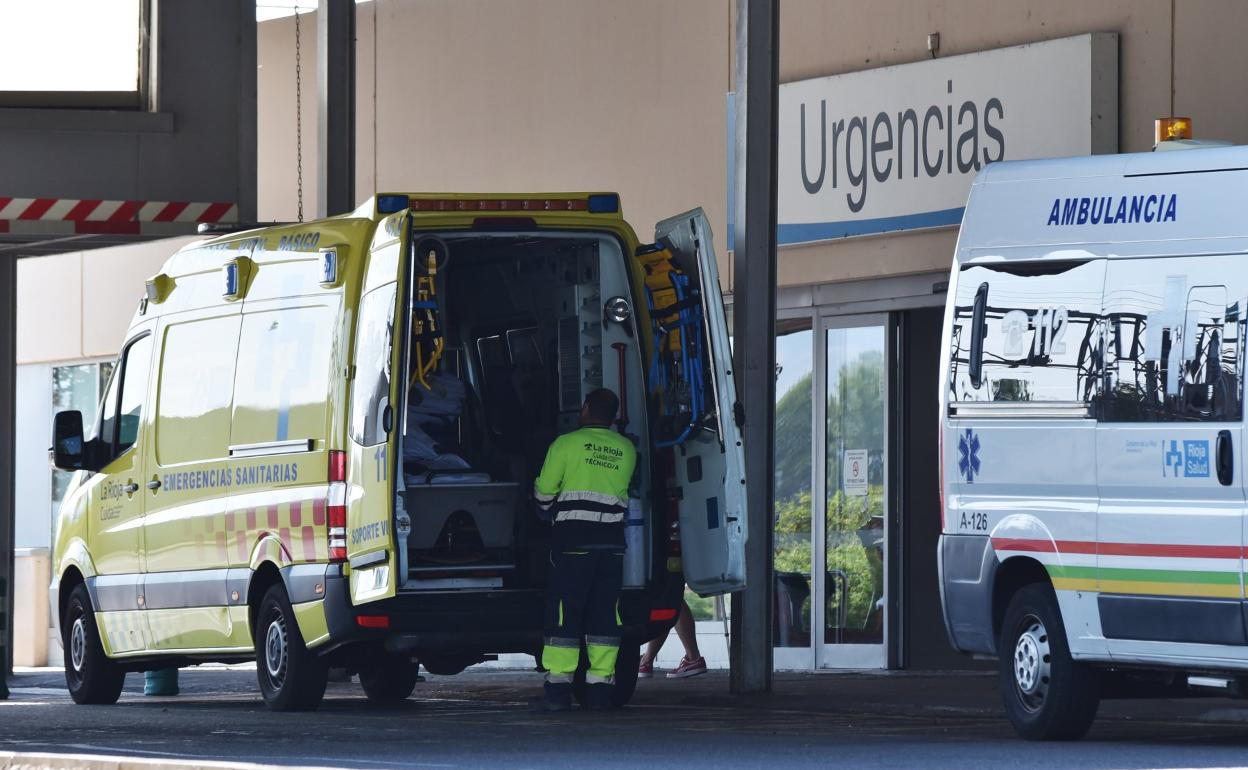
(16, 760)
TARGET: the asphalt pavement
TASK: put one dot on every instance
(480, 719)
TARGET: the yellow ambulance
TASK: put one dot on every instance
(319, 443)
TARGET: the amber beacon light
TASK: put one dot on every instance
(1171, 128)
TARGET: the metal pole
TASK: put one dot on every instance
(8, 415)
(754, 324)
(335, 78)
(247, 112)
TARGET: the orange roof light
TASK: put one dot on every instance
(1171, 128)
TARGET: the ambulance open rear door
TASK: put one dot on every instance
(710, 463)
(372, 461)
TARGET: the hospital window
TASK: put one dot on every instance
(81, 54)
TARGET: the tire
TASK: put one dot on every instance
(626, 663)
(390, 680)
(1047, 695)
(91, 677)
(292, 678)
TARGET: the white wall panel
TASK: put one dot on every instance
(33, 430)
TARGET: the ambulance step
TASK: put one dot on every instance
(439, 569)
(1213, 683)
(453, 584)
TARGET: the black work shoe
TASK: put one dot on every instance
(598, 697)
(542, 704)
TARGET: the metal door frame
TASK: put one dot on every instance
(803, 658)
(856, 656)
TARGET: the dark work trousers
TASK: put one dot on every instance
(582, 603)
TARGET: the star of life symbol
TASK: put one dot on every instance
(968, 455)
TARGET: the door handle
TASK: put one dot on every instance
(1226, 458)
(131, 488)
(154, 484)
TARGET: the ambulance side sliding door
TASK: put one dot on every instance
(1170, 443)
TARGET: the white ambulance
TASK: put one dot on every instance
(1092, 432)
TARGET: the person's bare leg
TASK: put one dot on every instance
(687, 632)
(652, 650)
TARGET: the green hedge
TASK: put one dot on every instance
(851, 521)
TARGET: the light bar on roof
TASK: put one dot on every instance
(499, 204)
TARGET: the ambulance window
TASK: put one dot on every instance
(1035, 337)
(119, 427)
(1174, 346)
(108, 412)
(371, 391)
(133, 393)
(196, 388)
(282, 386)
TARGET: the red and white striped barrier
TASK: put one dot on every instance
(70, 216)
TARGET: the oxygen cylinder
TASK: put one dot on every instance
(635, 545)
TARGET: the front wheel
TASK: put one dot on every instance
(292, 677)
(391, 679)
(1047, 694)
(91, 677)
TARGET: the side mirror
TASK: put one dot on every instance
(979, 330)
(68, 448)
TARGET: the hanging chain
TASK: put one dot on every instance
(298, 114)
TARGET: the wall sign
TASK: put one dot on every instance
(854, 472)
(896, 148)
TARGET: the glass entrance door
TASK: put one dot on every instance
(851, 536)
(830, 553)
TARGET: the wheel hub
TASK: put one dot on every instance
(1031, 662)
(275, 652)
(78, 644)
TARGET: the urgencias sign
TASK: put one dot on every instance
(896, 148)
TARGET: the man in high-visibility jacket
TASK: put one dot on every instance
(583, 488)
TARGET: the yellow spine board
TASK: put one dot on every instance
(658, 266)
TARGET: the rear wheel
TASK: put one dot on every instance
(1047, 694)
(292, 677)
(626, 663)
(91, 677)
(391, 679)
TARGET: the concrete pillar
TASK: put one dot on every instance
(247, 112)
(8, 388)
(754, 324)
(335, 103)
